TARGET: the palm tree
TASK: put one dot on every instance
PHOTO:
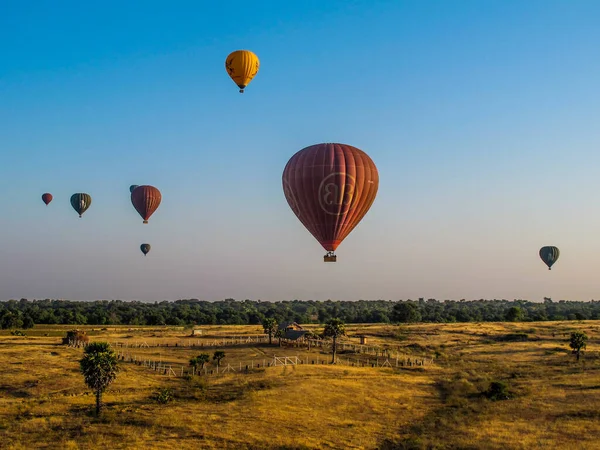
(203, 358)
(334, 328)
(99, 367)
(218, 356)
(199, 360)
(308, 336)
(194, 364)
(269, 325)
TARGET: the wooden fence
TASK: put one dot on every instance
(342, 345)
(168, 369)
(194, 342)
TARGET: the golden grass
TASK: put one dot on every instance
(555, 403)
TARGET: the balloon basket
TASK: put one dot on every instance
(330, 258)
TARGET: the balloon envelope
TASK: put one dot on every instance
(132, 187)
(47, 198)
(145, 248)
(81, 202)
(242, 66)
(549, 255)
(330, 187)
(145, 200)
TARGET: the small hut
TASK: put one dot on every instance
(291, 331)
(363, 339)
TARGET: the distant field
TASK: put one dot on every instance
(555, 400)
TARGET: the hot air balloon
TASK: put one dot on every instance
(81, 202)
(132, 187)
(330, 188)
(146, 200)
(145, 248)
(47, 198)
(242, 66)
(549, 255)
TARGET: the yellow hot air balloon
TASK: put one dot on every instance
(242, 66)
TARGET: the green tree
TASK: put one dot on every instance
(308, 336)
(99, 367)
(203, 358)
(578, 342)
(199, 360)
(334, 328)
(514, 314)
(279, 334)
(269, 325)
(406, 312)
(218, 356)
(28, 322)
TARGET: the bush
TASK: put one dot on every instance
(163, 395)
(76, 338)
(498, 390)
(513, 337)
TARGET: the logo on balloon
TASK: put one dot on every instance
(291, 198)
(335, 196)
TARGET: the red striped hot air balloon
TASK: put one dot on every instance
(145, 200)
(330, 188)
(47, 198)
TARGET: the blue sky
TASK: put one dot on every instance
(482, 118)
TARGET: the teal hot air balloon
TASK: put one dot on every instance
(549, 255)
(132, 187)
(81, 202)
(145, 248)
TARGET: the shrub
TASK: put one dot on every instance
(513, 337)
(76, 338)
(498, 390)
(163, 395)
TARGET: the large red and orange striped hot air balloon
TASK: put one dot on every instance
(47, 198)
(146, 200)
(330, 188)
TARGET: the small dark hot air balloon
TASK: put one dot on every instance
(47, 198)
(145, 200)
(330, 188)
(81, 202)
(132, 187)
(549, 255)
(145, 248)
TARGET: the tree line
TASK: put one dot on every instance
(25, 313)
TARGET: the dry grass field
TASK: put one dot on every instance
(555, 401)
